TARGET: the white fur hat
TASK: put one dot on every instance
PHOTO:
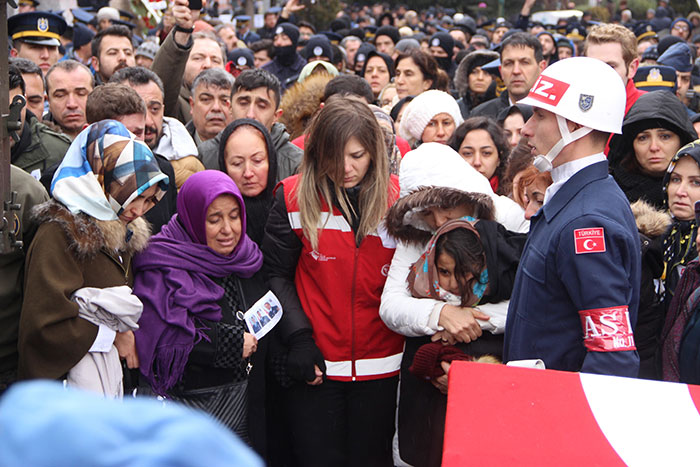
(423, 108)
(435, 164)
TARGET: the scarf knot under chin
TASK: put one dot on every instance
(174, 280)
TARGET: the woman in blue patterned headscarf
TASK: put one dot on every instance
(85, 242)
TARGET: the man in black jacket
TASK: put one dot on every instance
(521, 65)
(287, 63)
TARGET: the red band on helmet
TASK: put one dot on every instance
(548, 90)
(607, 329)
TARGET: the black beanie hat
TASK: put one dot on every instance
(363, 52)
(444, 41)
(390, 31)
(290, 30)
(318, 46)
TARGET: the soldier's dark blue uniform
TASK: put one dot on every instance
(564, 272)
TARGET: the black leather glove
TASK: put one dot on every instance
(303, 355)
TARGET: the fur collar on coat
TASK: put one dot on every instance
(405, 226)
(301, 102)
(87, 235)
(651, 222)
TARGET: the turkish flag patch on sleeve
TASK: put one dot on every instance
(589, 240)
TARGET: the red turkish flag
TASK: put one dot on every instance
(589, 240)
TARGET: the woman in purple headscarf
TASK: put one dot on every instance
(196, 279)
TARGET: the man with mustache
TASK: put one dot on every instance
(210, 104)
(112, 50)
(166, 136)
(68, 84)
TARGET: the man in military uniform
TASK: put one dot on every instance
(35, 35)
(576, 294)
(26, 6)
(38, 148)
(29, 194)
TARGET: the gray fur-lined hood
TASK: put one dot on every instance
(461, 79)
(651, 222)
(87, 235)
(404, 221)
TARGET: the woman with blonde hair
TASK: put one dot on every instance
(327, 255)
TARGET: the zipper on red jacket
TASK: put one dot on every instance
(352, 314)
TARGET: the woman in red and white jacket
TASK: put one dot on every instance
(327, 256)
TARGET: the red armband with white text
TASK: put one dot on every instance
(607, 329)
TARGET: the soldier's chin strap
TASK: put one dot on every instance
(543, 163)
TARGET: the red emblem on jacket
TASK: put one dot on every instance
(589, 240)
(607, 329)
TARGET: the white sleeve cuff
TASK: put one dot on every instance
(434, 317)
(104, 340)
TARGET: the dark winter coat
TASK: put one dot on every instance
(39, 147)
(493, 107)
(652, 224)
(69, 252)
(29, 194)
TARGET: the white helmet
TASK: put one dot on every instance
(584, 90)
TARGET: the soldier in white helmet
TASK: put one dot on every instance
(576, 292)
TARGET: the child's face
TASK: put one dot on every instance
(446, 277)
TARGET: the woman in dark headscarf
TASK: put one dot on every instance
(195, 279)
(682, 189)
(653, 131)
(247, 155)
(682, 275)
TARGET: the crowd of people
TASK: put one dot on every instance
(415, 188)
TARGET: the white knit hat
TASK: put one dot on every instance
(423, 108)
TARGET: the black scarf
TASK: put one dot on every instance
(286, 55)
(679, 250)
(444, 62)
(353, 197)
(637, 185)
(257, 209)
(503, 250)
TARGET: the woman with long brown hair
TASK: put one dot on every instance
(327, 256)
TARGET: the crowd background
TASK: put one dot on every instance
(368, 163)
